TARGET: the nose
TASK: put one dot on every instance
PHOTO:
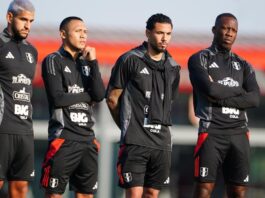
(27, 25)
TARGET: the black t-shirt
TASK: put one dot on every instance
(132, 74)
(72, 86)
(221, 105)
(18, 61)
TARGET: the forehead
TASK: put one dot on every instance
(76, 24)
(25, 14)
(165, 27)
(228, 21)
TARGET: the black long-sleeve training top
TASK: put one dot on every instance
(72, 87)
(224, 86)
(141, 79)
(18, 60)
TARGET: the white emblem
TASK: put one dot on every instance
(144, 71)
(167, 181)
(29, 57)
(236, 65)
(246, 179)
(86, 70)
(10, 55)
(95, 187)
(204, 171)
(127, 177)
(32, 174)
(66, 69)
(53, 182)
(213, 65)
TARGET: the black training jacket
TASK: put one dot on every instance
(221, 105)
(18, 60)
(72, 87)
(132, 74)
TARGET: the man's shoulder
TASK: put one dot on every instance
(207, 52)
(132, 54)
(29, 45)
(53, 56)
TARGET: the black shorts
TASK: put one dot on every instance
(231, 153)
(70, 161)
(142, 166)
(16, 157)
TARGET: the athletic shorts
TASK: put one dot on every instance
(70, 161)
(142, 166)
(16, 157)
(230, 153)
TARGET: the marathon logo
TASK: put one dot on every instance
(21, 95)
(21, 79)
(228, 82)
(75, 89)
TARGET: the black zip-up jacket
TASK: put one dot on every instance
(221, 103)
(18, 60)
(134, 74)
(72, 87)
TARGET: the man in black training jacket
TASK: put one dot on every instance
(224, 86)
(73, 83)
(143, 84)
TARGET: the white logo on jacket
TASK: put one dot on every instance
(86, 70)
(236, 65)
(21, 79)
(144, 71)
(9, 56)
(29, 57)
(214, 65)
(230, 82)
(75, 89)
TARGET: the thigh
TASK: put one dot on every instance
(62, 158)
(85, 177)
(209, 154)
(131, 165)
(17, 157)
(158, 169)
(236, 166)
(5, 152)
(23, 162)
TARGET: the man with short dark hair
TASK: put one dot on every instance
(18, 60)
(73, 84)
(224, 86)
(143, 84)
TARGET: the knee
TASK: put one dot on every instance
(1, 184)
(203, 190)
(236, 191)
(18, 187)
(150, 193)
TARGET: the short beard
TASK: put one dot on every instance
(16, 34)
(156, 49)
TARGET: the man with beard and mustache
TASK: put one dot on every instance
(18, 60)
(224, 86)
(142, 86)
